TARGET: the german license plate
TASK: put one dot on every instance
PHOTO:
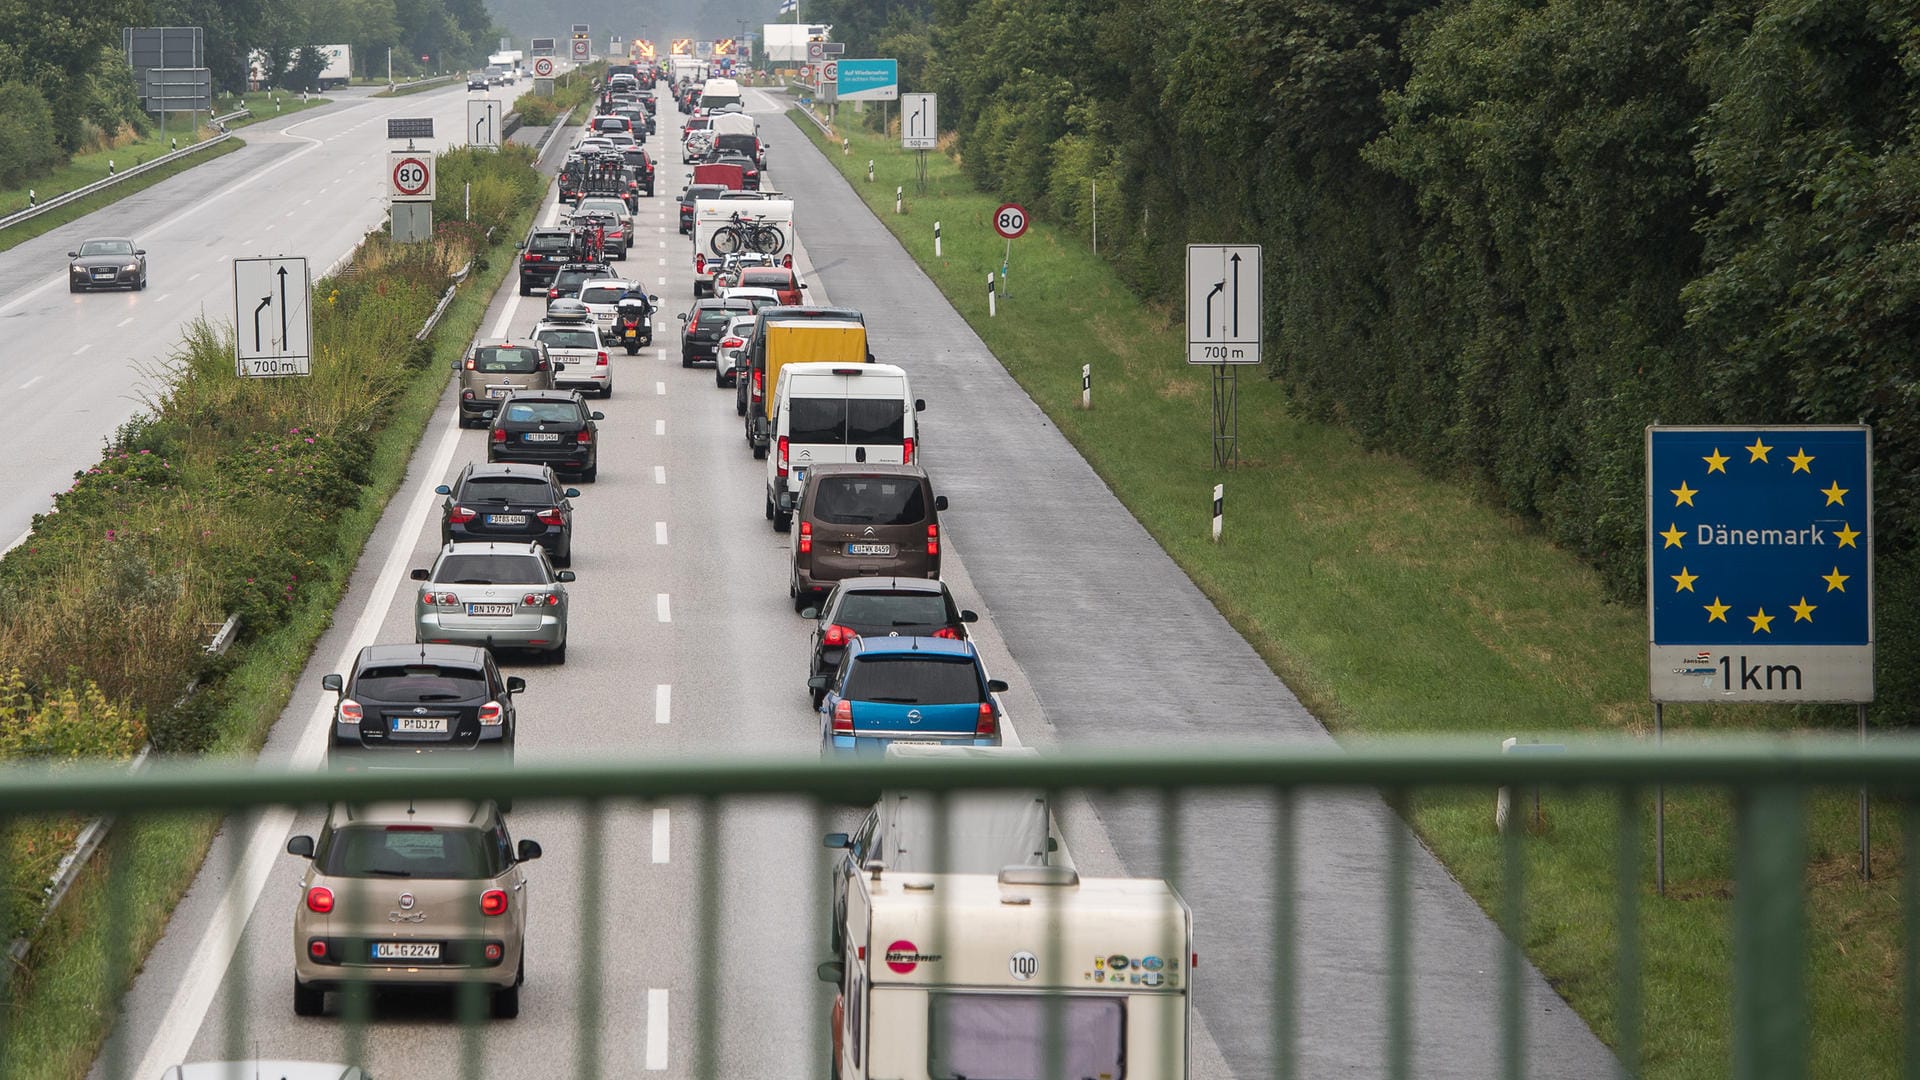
(406, 950)
(542, 436)
(506, 519)
(417, 725)
(497, 392)
(489, 609)
(799, 476)
(869, 549)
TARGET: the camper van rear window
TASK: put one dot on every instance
(1006, 1036)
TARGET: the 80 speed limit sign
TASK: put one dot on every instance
(1010, 220)
(410, 175)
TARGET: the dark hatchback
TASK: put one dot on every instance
(419, 701)
(542, 254)
(749, 169)
(508, 501)
(548, 427)
(691, 194)
(642, 165)
(880, 607)
(706, 324)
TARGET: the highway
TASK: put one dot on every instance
(683, 642)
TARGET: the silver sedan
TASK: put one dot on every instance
(505, 596)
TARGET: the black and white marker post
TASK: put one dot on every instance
(869, 170)
(936, 239)
(1086, 390)
(1219, 507)
(899, 200)
(993, 305)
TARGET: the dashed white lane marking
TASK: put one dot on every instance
(663, 281)
(663, 704)
(662, 835)
(659, 474)
(659, 427)
(659, 527)
(83, 348)
(663, 260)
(308, 202)
(661, 607)
(124, 321)
(193, 276)
(163, 298)
(660, 388)
(663, 243)
(656, 1030)
(37, 378)
(663, 353)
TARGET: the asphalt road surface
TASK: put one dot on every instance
(683, 642)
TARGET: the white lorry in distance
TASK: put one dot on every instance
(339, 69)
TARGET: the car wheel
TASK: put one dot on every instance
(739, 407)
(685, 360)
(633, 350)
(759, 449)
(559, 655)
(591, 474)
(606, 391)
(140, 285)
(801, 602)
(717, 380)
(769, 508)
(71, 287)
(782, 520)
(523, 287)
(308, 1001)
(506, 1002)
(563, 558)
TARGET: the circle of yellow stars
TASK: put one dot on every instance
(1802, 461)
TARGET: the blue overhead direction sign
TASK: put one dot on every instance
(1760, 563)
(869, 80)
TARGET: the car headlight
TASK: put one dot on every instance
(77, 268)
(132, 267)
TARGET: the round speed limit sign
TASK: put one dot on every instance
(411, 176)
(1010, 220)
(543, 67)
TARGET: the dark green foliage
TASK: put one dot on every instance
(26, 135)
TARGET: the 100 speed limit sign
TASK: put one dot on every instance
(410, 175)
(1010, 220)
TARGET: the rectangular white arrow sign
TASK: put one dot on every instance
(1224, 308)
(272, 317)
(919, 121)
(483, 122)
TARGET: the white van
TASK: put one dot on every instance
(831, 414)
(717, 94)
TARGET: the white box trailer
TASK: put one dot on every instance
(339, 69)
(1033, 973)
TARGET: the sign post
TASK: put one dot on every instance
(1225, 312)
(1759, 574)
(272, 318)
(1010, 221)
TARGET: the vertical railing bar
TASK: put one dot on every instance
(1173, 817)
(239, 836)
(471, 997)
(1399, 940)
(1285, 925)
(1627, 919)
(1769, 957)
(710, 916)
(1910, 959)
(1513, 936)
(1057, 963)
(818, 1039)
(8, 842)
(592, 890)
(356, 1000)
(942, 862)
(119, 958)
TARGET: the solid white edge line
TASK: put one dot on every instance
(661, 607)
(662, 835)
(663, 704)
(660, 533)
(506, 316)
(200, 983)
(656, 1030)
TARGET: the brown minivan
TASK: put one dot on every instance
(863, 521)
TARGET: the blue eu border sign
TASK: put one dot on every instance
(1760, 564)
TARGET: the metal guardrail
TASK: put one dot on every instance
(1768, 781)
(101, 185)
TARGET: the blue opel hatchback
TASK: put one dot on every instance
(907, 690)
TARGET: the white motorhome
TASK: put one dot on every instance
(714, 217)
(1033, 973)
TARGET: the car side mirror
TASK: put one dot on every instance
(836, 840)
(969, 616)
(997, 686)
(565, 577)
(301, 846)
(939, 502)
(818, 682)
(515, 684)
(528, 851)
(420, 575)
(139, 251)
(332, 682)
(73, 254)
(652, 298)
(596, 415)
(832, 971)
(682, 316)
(803, 285)
(443, 490)
(919, 404)
(571, 493)
(810, 613)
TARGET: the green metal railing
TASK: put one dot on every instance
(1769, 782)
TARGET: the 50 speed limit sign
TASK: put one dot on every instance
(410, 175)
(1010, 220)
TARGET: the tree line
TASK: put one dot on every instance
(1501, 236)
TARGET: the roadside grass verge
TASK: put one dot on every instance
(267, 104)
(1397, 604)
(64, 998)
(420, 86)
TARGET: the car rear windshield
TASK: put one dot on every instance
(507, 489)
(767, 277)
(569, 280)
(746, 144)
(601, 294)
(846, 421)
(419, 684)
(490, 570)
(717, 318)
(611, 207)
(561, 241)
(870, 500)
(892, 609)
(408, 851)
(498, 359)
(570, 338)
(915, 680)
(543, 412)
(610, 123)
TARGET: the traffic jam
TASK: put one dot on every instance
(964, 941)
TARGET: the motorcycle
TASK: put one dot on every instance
(633, 323)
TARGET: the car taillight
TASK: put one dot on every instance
(782, 459)
(584, 436)
(838, 635)
(350, 712)
(320, 899)
(947, 632)
(499, 435)
(806, 538)
(731, 343)
(988, 724)
(602, 362)
(461, 515)
(492, 715)
(906, 452)
(787, 260)
(843, 716)
(529, 257)
(317, 949)
(466, 395)
(493, 951)
(699, 264)
(551, 516)
(933, 539)
(759, 383)
(493, 902)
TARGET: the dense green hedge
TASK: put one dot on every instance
(1502, 236)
